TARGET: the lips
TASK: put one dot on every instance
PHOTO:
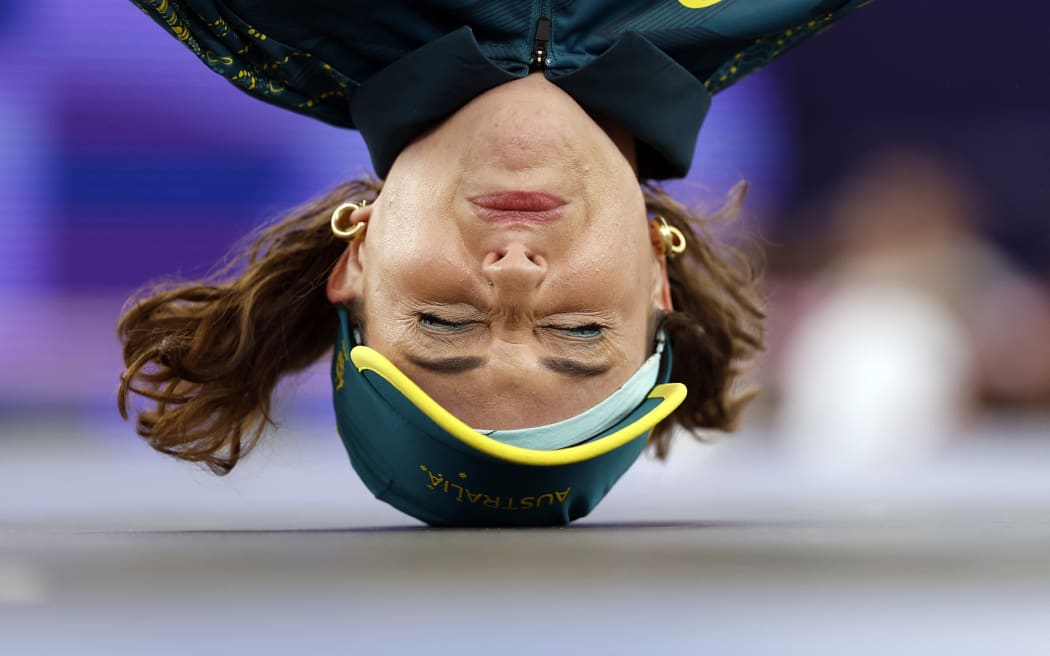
(519, 207)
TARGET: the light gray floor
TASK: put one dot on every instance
(732, 549)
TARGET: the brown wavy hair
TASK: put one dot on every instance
(205, 356)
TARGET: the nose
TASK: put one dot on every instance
(514, 269)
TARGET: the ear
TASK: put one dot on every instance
(346, 280)
(661, 286)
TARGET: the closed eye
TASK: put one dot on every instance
(583, 331)
(434, 322)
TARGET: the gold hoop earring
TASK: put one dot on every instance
(343, 212)
(671, 237)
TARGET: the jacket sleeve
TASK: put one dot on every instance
(253, 61)
(760, 46)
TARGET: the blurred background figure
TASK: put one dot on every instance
(910, 324)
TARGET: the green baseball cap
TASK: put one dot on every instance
(418, 457)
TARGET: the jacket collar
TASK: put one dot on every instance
(627, 83)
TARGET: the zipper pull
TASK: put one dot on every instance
(540, 57)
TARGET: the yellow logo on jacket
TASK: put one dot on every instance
(462, 493)
(698, 4)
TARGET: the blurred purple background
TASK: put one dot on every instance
(122, 159)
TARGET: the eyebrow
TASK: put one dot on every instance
(453, 365)
(459, 364)
(575, 368)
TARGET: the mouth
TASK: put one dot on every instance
(518, 207)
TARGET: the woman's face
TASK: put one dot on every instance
(507, 267)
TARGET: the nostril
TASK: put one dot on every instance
(520, 250)
(514, 257)
(514, 268)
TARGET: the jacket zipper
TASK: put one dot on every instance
(540, 52)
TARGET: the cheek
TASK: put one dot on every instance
(414, 210)
(620, 250)
(409, 229)
(407, 270)
(619, 278)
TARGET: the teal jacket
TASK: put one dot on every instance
(392, 69)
